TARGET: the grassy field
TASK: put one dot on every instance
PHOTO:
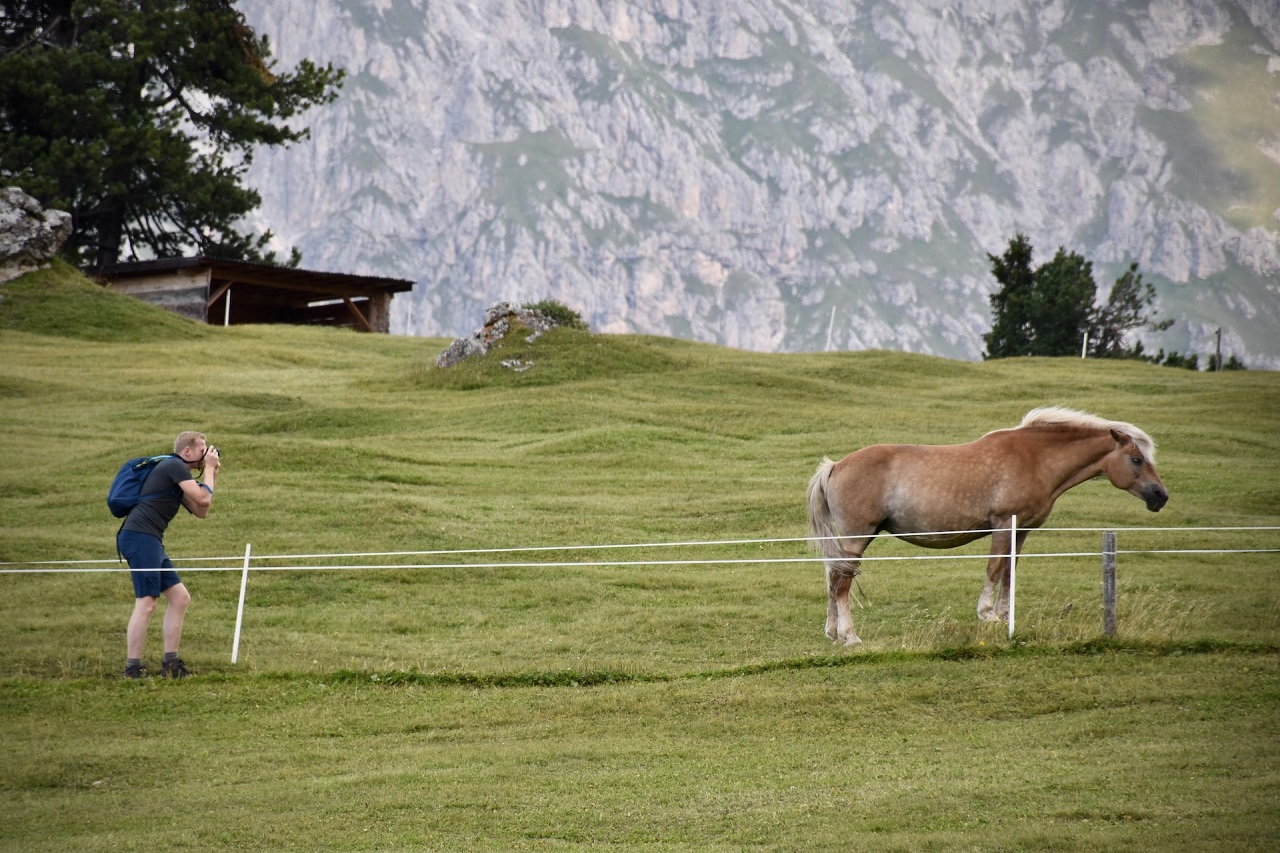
(638, 698)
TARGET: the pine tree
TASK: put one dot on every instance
(1042, 311)
(141, 118)
(1048, 310)
(1128, 307)
(1063, 302)
(1011, 329)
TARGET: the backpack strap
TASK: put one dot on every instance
(154, 460)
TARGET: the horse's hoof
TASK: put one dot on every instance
(853, 641)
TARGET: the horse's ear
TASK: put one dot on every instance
(1120, 437)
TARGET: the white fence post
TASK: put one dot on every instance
(1013, 570)
(244, 584)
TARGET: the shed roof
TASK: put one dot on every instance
(333, 284)
(268, 293)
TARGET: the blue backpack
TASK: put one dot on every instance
(126, 488)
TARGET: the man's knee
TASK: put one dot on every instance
(178, 596)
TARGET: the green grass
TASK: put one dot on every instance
(429, 703)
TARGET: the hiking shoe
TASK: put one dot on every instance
(138, 671)
(174, 669)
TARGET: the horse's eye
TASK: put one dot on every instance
(1137, 460)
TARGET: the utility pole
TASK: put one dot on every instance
(1217, 364)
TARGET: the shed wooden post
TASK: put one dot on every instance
(1109, 583)
(380, 312)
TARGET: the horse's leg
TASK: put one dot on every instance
(840, 575)
(835, 509)
(832, 594)
(839, 615)
(989, 601)
(993, 604)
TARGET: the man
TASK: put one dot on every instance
(140, 540)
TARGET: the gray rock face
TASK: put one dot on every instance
(30, 236)
(498, 319)
(788, 174)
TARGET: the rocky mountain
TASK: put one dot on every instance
(788, 175)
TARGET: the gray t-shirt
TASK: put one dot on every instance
(153, 514)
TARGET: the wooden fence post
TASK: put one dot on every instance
(1109, 583)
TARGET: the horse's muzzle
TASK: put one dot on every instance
(1156, 497)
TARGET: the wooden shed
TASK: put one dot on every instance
(222, 292)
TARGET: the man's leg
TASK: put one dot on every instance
(136, 635)
(178, 599)
(145, 555)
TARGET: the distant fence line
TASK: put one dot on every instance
(241, 562)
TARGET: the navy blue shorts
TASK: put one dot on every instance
(152, 569)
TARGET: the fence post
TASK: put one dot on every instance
(1109, 583)
(1013, 571)
(244, 584)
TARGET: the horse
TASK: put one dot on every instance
(944, 496)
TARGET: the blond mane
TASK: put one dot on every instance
(1049, 416)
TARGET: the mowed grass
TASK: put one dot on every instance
(888, 753)
(622, 697)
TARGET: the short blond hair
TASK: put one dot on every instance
(187, 439)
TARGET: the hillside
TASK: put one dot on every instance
(603, 437)
(61, 302)
(789, 175)
(435, 653)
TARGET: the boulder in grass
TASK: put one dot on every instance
(498, 320)
(30, 236)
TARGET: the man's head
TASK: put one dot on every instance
(190, 446)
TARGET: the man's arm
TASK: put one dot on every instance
(197, 497)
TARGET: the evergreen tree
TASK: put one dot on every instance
(1233, 363)
(1047, 311)
(1063, 301)
(1011, 327)
(140, 118)
(1042, 311)
(1128, 307)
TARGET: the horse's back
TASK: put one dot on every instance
(927, 461)
(882, 462)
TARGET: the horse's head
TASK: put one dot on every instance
(1130, 467)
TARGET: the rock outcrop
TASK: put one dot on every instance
(498, 319)
(30, 236)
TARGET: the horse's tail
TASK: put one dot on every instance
(820, 525)
(822, 530)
